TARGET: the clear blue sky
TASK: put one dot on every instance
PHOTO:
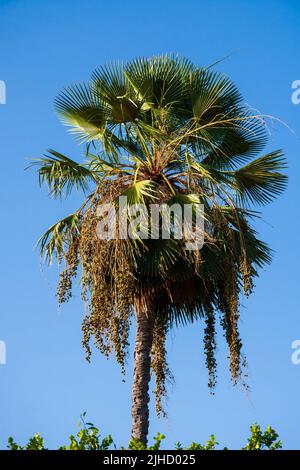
(46, 382)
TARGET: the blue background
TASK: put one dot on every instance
(46, 382)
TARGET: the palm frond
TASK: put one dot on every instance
(235, 144)
(105, 167)
(54, 240)
(260, 181)
(83, 111)
(212, 94)
(140, 192)
(245, 239)
(108, 82)
(157, 260)
(257, 252)
(159, 81)
(60, 173)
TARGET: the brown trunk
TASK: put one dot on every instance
(141, 374)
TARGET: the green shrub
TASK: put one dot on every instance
(89, 438)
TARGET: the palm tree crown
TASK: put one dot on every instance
(161, 130)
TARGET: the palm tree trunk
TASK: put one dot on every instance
(145, 315)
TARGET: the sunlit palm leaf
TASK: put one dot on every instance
(140, 192)
(58, 235)
(83, 111)
(109, 84)
(61, 174)
(158, 82)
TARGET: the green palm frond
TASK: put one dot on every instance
(159, 81)
(157, 260)
(212, 95)
(60, 173)
(83, 111)
(108, 82)
(183, 199)
(191, 200)
(261, 180)
(239, 217)
(257, 252)
(141, 192)
(206, 172)
(233, 145)
(54, 240)
(106, 168)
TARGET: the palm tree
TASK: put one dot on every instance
(160, 130)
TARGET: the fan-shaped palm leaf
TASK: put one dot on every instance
(83, 111)
(54, 240)
(260, 181)
(61, 173)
